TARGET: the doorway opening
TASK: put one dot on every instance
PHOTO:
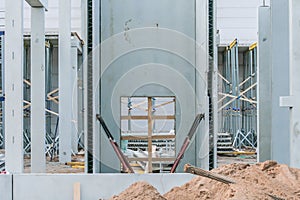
(148, 133)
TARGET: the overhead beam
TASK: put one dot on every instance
(38, 3)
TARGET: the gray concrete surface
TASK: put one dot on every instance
(93, 187)
(5, 187)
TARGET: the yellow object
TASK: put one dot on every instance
(75, 163)
(252, 46)
(47, 44)
(77, 166)
(233, 43)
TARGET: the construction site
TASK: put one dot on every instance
(146, 100)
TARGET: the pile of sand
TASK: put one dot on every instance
(139, 191)
(267, 180)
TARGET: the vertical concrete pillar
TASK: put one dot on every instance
(14, 86)
(295, 81)
(38, 128)
(74, 54)
(265, 84)
(65, 83)
(96, 86)
(280, 55)
(292, 101)
(201, 69)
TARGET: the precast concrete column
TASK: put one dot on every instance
(74, 52)
(295, 82)
(201, 69)
(265, 84)
(292, 101)
(14, 86)
(38, 118)
(65, 82)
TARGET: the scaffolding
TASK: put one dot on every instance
(52, 97)
(237, 97)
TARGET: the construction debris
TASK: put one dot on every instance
(267, 180)
(187, 141)
(201, 172)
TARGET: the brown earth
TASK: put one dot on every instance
(267, 180)
(139, 191)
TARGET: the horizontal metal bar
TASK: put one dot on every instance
(146, 137)
(241, 98)
(153, 159)
(155, 117)
(163, 104)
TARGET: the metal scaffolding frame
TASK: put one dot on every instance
(51, 138)
(237, 98)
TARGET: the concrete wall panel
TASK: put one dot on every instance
(100, 186)
(6, 187)
(146, 48)
(237, 19)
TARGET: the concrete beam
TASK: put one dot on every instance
(65, 83)
(38, 3)
(14, 86)
(38, 118)
(265, 84)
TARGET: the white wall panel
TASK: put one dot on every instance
(237, 19)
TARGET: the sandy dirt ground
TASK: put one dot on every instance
(54, 166)
(267, 180)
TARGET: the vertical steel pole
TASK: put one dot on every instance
(150, 131)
